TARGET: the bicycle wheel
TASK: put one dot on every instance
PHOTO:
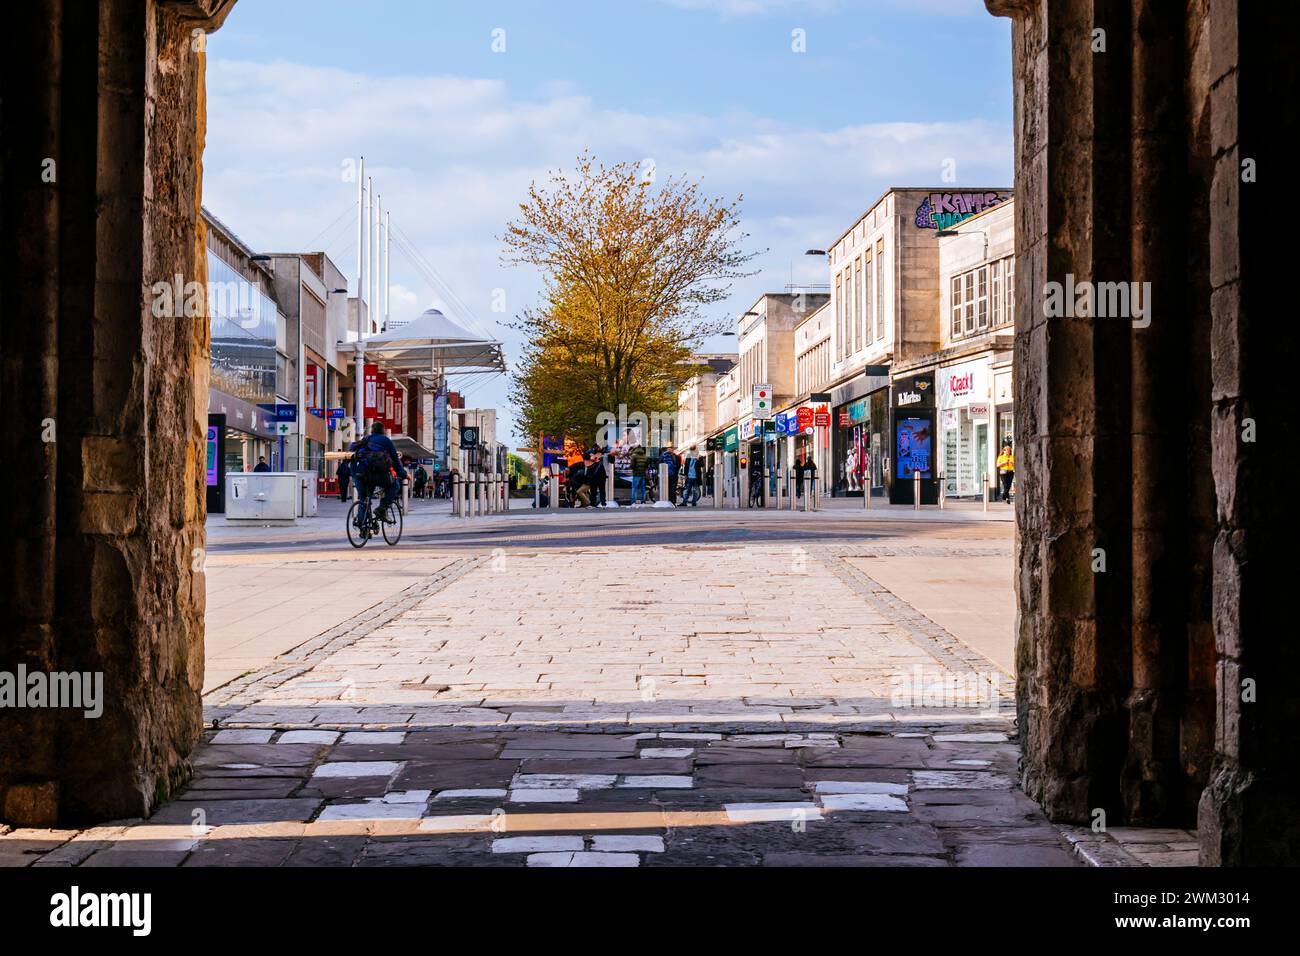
(392, 528)
(357, 536)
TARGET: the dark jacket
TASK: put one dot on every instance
(261, 466)
(639, 461)
(669, 459)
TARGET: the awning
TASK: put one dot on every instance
(410, 448)
(432, 344)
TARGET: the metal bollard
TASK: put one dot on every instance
(866, 495)
(505, 494)
(779, 479)
(916, 490)
(943, 490)
(663, 482)
(609, 479)
(718, 482)
(455, 496)
(742, 489)
(984, 484)
(555, 493)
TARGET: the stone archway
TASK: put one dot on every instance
(1129, 168)
(104, 401)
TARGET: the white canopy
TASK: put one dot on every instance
(432, 343)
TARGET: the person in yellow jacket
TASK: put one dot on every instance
(1006, 471)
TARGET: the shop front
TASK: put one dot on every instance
(859, 435)
(912, 440)
(966, 443)
(861, 430)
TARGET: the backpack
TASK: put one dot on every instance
(370, 462)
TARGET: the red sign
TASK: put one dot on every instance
(804, 418)
(822, 417)
(845, 418)
(372, 391)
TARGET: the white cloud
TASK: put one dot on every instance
(452, 157)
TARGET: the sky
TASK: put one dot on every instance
(808, 109)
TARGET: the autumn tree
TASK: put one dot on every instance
(629, 264)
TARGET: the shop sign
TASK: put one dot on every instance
(804, 417)
(962, 384)
(846, 418)
(731, 439)
(822, 417)
(979, 410)
(858, 411)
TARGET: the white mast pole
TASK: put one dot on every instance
(359, 375)
(388, 255)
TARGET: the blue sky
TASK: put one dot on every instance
(453, 132)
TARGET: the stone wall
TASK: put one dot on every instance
(1134, 593)
(105, 401)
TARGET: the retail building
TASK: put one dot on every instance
(885, 314)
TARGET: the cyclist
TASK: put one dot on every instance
(376, 464)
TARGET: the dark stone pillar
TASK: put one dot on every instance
(1248, 812)
(105, 400)
(1129, 169)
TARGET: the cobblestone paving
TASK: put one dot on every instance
(675, 704)
(530, 798)
(687, 637)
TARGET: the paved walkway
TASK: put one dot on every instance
(646, 691)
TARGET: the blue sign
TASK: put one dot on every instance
(786, 425)
(281, 411)
(338, 413)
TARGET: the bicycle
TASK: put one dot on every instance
(364, 522)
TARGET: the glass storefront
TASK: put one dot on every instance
(965, 427)
(860, 444)
(242, 322)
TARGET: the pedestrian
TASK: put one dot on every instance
(575, 480)
(666, 457)
(261, 464)
(691, 496)
(810, 472)
(1006, 470)
(421, 479)
(345, 476)
(638, 462)
(596, 478)
(756, 483)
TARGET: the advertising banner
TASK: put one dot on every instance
(372, 390)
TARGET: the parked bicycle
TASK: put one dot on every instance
(364, 521)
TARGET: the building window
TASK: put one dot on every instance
(880, 285)
(839, 319)
(982, 298)
(955, 329)
(1010, 272)
(995, 291)
(867, 310)
(862, 306)
(968, 303)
